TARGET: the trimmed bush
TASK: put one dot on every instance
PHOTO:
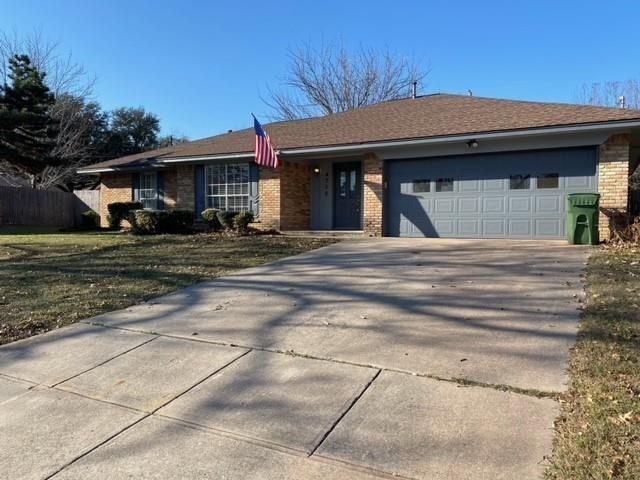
(226, 219)
(119, 211)
(242, 221)
(177, 221)
(90, 220)
(210, 217)
(150, 222)
(146, 222)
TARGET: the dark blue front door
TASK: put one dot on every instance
(348, 196)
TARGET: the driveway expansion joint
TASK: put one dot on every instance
(344, 413)
(465, 382)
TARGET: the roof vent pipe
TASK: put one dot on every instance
(414, 90)
(621, 101)
(470, 93)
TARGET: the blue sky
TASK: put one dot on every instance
(202, 66)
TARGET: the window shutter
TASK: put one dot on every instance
(254, 186)
(160, 193)
(136, 187)
(199, 191)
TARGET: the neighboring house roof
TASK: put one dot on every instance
(429, 116)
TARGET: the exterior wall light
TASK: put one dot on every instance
(472, 144)
(316, 170)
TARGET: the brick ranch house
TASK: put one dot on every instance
(433, 166)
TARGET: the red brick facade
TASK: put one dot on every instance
(117, 187)
(285, 197)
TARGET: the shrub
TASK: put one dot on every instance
(226, 219)
(119, 211)
(176, 221)
(90, 220)
(210, 217)
(150, 222)
(242, 221)
(146, 222)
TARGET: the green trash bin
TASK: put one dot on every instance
(582, 218)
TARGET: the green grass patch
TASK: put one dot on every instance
(50, 279)
(598, 433)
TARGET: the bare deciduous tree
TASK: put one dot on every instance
(72, 87)
(608, 94)
(332, 79)
(77, 120)
(64, 74)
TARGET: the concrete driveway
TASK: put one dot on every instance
(365, 359)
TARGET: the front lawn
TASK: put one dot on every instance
(49, 279)
(598, 433)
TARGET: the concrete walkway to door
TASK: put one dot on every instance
(365, 359)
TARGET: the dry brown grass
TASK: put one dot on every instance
(598, 433)
(48, 280)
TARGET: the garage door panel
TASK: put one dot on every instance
(469, 227)
(519, 205)
(483, 201)
(445, 228)
(469, 186)
(468, 205)
(547, 227)
(492, 205)
(494, 185)
(519, 228)
(493, 227)
(445, 205)
(578, 182)
(548, 204)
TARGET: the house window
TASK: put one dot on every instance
(227, 187)
(421, 186)
(548, 180)
(149, 190)
(444, 185)
(519, 182)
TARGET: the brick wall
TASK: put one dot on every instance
(373, 169)
(613, 184)
(295, 196)
(115, 187)
(185, 187)
(269, 202)
(285, 197)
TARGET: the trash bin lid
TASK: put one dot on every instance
(583, 199)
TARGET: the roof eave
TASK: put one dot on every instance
(354, 147)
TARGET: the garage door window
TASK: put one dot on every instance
(444, 185)
(519, 182)
(421, 186)
(548, 180)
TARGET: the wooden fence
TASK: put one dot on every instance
(45, 208)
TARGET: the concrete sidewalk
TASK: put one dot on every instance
(353, 361)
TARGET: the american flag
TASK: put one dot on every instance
(265, 154)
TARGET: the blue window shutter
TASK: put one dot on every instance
(136, 187)
(254, 186)
(160, 186)
(199, 191)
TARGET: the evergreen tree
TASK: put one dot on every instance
(27, 130)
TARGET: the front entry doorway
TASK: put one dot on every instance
(347, 213)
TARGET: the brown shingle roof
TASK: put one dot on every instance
(423, 117)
